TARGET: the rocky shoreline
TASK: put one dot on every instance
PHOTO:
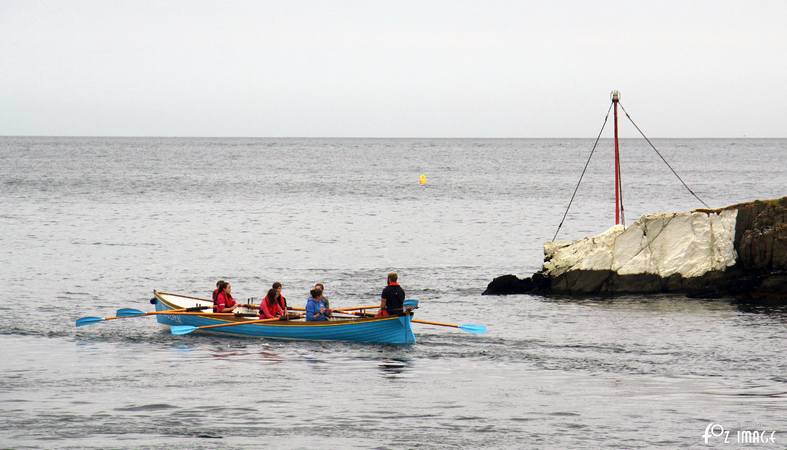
(739, 250)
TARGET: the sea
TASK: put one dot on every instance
(92, 224)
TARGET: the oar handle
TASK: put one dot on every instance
(349, 308)
(360, 314)
(356, 308)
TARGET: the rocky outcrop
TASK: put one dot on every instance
(738, 250)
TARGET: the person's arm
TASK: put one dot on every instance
(283, 307)
(276, 310)
(382, 301)
(221, 305)
(404, 296)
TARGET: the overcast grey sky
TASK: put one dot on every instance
(391, 69)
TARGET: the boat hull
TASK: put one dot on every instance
(385, 330)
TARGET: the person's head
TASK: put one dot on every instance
(315, 293)
(393, 277)
(222, 285)
(277, 287)
(228, 288)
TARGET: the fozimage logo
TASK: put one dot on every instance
(715, 433)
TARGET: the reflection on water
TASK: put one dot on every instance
(229, 349)
(762, 308)
(270, 356)
(395, 368)
(182, 347)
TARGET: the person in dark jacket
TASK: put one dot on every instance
(392, 298)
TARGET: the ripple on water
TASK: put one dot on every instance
(149, 407)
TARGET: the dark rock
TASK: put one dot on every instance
(761, 235)
(509, 284)
(581, 282)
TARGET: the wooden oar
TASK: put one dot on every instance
(186, 329)
(408, 304)
(81, 322)
(474, 328)
(469, 327)
(125, 313)
(131, 312)
(350, 308)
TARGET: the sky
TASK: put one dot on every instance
(391, 68)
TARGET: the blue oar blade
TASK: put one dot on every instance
(411, 303)
(129, 312)
(81, 322)
(177, 330)
(475, 328)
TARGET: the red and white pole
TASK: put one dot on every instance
(615, 99)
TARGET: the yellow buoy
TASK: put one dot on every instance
(423, 180)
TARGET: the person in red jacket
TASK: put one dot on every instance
(274, 304)
(224, 302)
(216, 291)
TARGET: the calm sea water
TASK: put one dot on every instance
(89, 225)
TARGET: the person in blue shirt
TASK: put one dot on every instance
(321, 287)
(316, 309)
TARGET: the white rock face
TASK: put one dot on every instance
(690, 244)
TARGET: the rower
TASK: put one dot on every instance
(321, 287)
(274, 304)
(316, 309)
(392, 298)
(224, 302)
(215, 291)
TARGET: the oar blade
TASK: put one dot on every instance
(178, 330)
(82, 321)
(129, 312)
(411, 303)
(475, 328)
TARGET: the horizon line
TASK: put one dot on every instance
(361, 137)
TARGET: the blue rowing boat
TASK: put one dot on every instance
(384, 330)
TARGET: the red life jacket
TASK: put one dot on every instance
(223, 300)
(278, 309)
